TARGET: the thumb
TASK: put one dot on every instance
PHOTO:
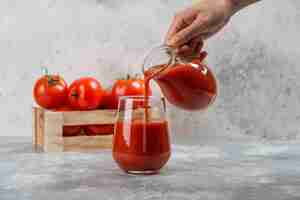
(188, 33)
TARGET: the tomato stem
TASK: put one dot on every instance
(44, 71)
(52, 79)
(74, 94)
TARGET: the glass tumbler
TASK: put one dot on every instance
(141, 143)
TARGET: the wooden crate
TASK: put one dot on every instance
(48, 130)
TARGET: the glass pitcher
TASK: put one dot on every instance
(186, 83)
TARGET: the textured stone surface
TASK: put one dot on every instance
(255, 58)
(229, 171)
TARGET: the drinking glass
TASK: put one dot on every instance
(141, 143)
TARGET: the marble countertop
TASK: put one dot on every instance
(229, 171)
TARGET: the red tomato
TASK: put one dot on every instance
(69, 131)
(105, 129)
(129, 87)
(106, 99)
(85, 94)
(50, 91)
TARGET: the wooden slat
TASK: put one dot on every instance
(34, 129)
(87, 143)
(53, 136)
(89, 117)
(40, 126)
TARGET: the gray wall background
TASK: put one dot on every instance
(255, 58)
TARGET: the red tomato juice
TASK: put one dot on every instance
(188, 86)
(140, 146)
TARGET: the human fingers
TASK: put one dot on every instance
(192, 48)
(190, 32)
(176, 25)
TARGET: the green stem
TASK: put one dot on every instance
(44, 71)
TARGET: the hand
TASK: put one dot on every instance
(196, 23)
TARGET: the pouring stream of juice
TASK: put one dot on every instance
(148, 78)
